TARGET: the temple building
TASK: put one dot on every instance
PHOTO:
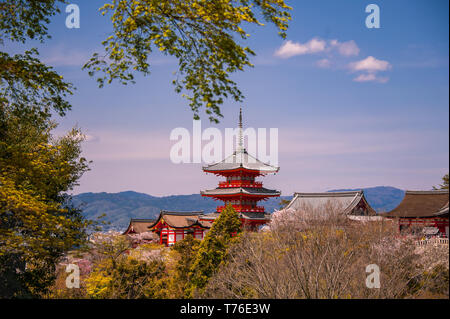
(138, 226)
(138, 233)
(240, 188)
(171, 227)
(423, 209)
(352, 203)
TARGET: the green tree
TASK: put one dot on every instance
(186, 250)
(37, 222)
(26, 19)
(118, 275)
(213, 249)
(206, 37)
(444, 184)
(127, 278)
(27, 86)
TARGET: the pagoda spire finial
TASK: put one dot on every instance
(241, 137)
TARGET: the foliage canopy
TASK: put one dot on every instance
(444, 184)
(27, 86)
(37, 222)
(213, 250)
(204, 36)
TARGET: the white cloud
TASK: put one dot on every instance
(370, 77)
(317, 45)
(370, 64)
(365, 77)
(290, 49)
(324, 63)
(349, 48)
(368, 67)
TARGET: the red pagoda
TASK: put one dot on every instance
(240, 188)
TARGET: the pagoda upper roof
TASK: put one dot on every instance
(241, 190)
(241, 159)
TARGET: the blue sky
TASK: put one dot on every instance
(355, 107)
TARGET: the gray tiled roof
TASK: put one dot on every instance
(241, 159)
(246, 215)
(241, 190)
(348, 200)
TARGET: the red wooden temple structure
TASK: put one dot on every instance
(175, 226)
(423, 209)
(240, 189)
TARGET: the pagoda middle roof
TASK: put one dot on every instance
(243, 215)
(241, 159)
(241, 190)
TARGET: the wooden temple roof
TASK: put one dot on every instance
(138, 226)
(241, 159)
(181, 219)
(422, 204)
(348, 200)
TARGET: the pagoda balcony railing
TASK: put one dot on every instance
(244, 208)
(240, 184)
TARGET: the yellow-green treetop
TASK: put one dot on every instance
(205, 36)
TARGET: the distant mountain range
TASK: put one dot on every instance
(381, 198)
(119, 208)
